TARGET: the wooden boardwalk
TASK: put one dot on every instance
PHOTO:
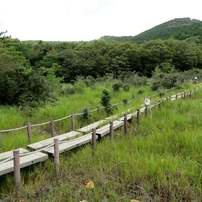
(8, 154)
(46, 142)
(67, 141)
(106, 129)
(27, 160)
(71, 144)
(89, 128)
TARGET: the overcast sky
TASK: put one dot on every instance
(75, 20)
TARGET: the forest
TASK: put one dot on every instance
(33, 71)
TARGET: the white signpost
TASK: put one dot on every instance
(147, 102)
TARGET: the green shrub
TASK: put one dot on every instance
(80, 86)
(85, 115)
(68, 89)
(140, 92)
(105, 101)
(116, 87)
(161, 93)
(125, 101)
(22, 87)
(90, 82)
(126, 88)
(155, 85)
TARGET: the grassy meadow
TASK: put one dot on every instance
(158, 160)
(86, 98)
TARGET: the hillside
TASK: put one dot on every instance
(178, 28)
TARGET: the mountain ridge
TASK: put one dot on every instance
(178, 28)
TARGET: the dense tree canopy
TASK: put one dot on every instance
(20, 83)
(99, 58)
(31, 71)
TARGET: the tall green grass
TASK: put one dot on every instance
(158, 160)
(15, 117)
(89, 98)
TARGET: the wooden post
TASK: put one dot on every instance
(146, 110)
(159, 103)
(73, 121)
(182, 95)
(176, 97)
(52, 128)
(56, 156)
(16, 162)
(125, 124)
(0, 139)
(138, 116)
(190, 93)
(93, 138)
(111, 129)
(29, 132)
(98, 110)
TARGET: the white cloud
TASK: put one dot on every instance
(67, 20)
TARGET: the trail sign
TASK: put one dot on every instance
(147, 102)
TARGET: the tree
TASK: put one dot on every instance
(105, 101)
(19, 83)
(153, 53)
(2, 33)
(185, 56)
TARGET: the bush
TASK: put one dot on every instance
(24, 87)
(126, 88)
(155, 85)
(80, 86)
(68, 89)
(140, 92)
(125, 101)
(90, 82)
(161, 93)
(116, 87)
(84, 116)
(105, 101)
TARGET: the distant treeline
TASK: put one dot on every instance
(30, 70)
(98, 58)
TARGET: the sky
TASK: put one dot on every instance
(85, 20)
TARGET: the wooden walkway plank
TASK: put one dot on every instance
(46, 142)
(8, 154)
(111, 118)
(91, 126)
(71, 144)
(142, 109)
(106, 129)
(25, 161)
(128, 116)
